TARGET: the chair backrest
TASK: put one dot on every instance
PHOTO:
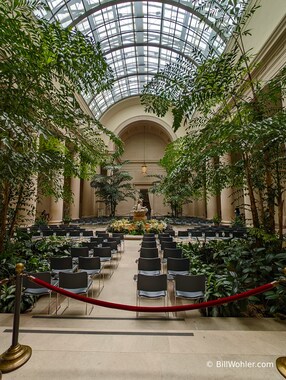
(79, 251)
(73, 280)
(163, 234)
(103, 234)
(152, 283)
(75, 233)
(97, 240)
(90, 245)
(114, 238)
(192, 283)
(168, 244)
(118, 234)
(89, 262)
(44, 276)
(165, 238)
(149, 234)
(172, 252)
(61, 262)
(149, 264)
(149, 252)
(171, 232)
(148, 244)
(102, 251)
(195, 233)
(87, 233)
(149, 238)
(112, 244)
(61, 232)
(183, 233)
(48, 232)
(210, 233)
(174, 264)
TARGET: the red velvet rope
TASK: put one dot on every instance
(155, 309)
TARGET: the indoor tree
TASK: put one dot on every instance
(114, 186)
(175, 193)
(43, 67)
(236, 114)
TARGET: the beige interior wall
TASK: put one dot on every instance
(134, 153)
(264, 21)
(125, 120)
(130, 110)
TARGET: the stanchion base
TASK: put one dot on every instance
(281, 365)
(14, 358)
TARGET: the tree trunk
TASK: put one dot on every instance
(280, 201)
(270, 222)
(253, 207)
(3, 217)
(16, 211)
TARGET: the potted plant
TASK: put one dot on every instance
(67, 219)
(216, 220)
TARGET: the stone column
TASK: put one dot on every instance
(199, 208)
(74, 206)
(27, 215)
(211, 207)
(75, 189)
(87, 199)
(57, 205)
(247, 210)
(56, 210)
(227, 210)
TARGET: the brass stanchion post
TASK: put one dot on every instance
(17, 354)
(281, 362)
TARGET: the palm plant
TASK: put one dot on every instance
(114, 186)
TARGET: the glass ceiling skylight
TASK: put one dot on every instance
(140, 37)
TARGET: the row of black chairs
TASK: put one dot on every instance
(65, 232)
(77, 271)
(153, 283)
(188, 287)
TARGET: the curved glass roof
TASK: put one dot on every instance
(140, 37)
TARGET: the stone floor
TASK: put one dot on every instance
(114, 344)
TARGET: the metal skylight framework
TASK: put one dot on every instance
(140, 37)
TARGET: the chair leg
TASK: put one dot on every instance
(137, 304)
(175, 305)
(57, 302)
(50, 299)
(167, 313)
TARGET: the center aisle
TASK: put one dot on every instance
(121, 287)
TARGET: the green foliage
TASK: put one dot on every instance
(138, 227)
(33, 254)
(7, 300)
(236, 265)
(114, 186)
(35, 257)
(216, 219)
(238, 221)
(41, 221)
(175, 193)
(238, 115)
(42, 125)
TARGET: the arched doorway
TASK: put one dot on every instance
(144, 142)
